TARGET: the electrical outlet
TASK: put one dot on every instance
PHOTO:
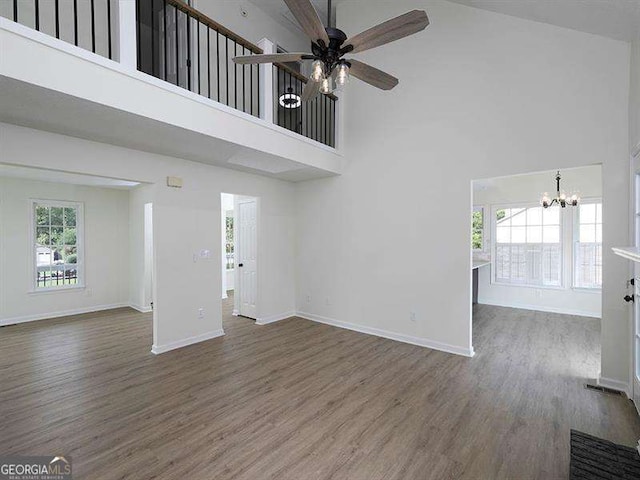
(308, 298)
(88, 292)
(201, 313)
(327, 301)
(412, 316)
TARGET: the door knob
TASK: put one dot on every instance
(241, 264)
(629, 298)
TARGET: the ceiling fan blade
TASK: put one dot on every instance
(308, 19)
(389, 31)
(310, 91)
(372, 75)
(272, 57)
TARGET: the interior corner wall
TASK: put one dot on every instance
(481, 95)
(106, 251)
(138, 197)
(185, 222)
(522, 189)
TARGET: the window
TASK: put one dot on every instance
(528, 247)
(587, 265)
(477, 229)
(57, 240)
(229, 246)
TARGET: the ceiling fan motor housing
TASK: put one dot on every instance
(331, 54)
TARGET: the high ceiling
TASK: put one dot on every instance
(617, 19)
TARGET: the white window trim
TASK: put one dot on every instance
(33, 288)
(480, 208)
(494, 208)
(574, 239)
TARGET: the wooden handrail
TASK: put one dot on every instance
(192, 12)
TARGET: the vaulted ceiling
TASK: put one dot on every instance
(617, 19)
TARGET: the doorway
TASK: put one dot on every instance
(635, 347)
(239, 216)
(532, 258)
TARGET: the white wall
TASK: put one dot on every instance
(634, 97)
(185, 221)
(138, 294)
(527, 189)
(106, 251)
(255, 26)
(480, 95)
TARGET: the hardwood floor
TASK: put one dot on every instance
(299, 400)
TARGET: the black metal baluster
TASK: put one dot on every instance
(188, 52)
(286, 88)
(235, 76)
(153, 41)
(226, 70)
(15, 10)
(164, 25)
(57, 7)
(109, 26)
(177, 47)
(251, 86)
(37, 13)
(208, 62)
(218, 61)
(278, 95)
(93, 26)
(326, 118)
(138, 29)
(333, 123)
(198, 40)
(244, 97)
(258, 91)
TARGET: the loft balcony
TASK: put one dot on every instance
(158, 76)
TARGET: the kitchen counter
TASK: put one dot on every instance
(479, 263)
(475, 266)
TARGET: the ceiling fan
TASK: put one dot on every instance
(329, 45)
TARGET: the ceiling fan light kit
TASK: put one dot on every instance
(329, 70)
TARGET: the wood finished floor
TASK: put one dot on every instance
(299, 400)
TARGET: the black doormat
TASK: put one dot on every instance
(593, 458)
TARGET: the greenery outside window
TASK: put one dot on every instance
(57, 245)
(477, 229)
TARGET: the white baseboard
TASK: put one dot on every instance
(615, 384)
(539, 308)
(141, 309)
(235, 313)
(399, 337)
(61, 313)
(274, 318)
(158, 349)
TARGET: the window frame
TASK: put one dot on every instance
(33, 280)
(562, 225)
(575, 235)
(482, 209)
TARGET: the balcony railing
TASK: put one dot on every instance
(178, 44)
(314, 119)
(88, 24)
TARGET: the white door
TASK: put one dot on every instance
(636, 274)
(247, 243)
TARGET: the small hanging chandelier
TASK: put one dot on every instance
(290, 100)
(561, 198)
